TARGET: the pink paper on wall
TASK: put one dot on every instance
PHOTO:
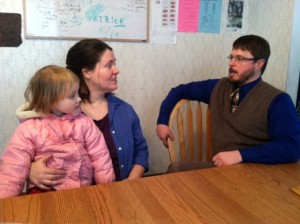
(188, 15)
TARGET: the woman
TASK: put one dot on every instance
(93, 61)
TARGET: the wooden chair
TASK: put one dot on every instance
(192, 137)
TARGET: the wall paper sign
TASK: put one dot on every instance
(237, 16)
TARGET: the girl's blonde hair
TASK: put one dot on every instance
(49, 85)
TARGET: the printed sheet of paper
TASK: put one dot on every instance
(210, 16)
(164, 21)
(236, 16)
(188, 15)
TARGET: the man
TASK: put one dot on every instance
(256, 123)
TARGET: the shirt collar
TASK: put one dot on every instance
(248, 86)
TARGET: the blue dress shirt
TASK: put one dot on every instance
(127, 134)
(283, 121)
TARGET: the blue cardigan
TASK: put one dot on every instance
(127, 134)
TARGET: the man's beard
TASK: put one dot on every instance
(242, 79)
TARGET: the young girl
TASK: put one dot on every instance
(51, 122)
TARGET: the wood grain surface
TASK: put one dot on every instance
(243, 193)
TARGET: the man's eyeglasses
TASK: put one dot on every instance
(240, 59)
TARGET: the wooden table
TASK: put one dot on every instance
(244, 193)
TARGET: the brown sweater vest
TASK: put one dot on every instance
(248, 125)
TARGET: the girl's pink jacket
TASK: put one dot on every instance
(77, 145)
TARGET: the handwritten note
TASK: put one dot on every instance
(118, 19)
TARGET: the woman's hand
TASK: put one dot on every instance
(137, 171)
(44, 177)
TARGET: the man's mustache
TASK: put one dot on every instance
(231, 70)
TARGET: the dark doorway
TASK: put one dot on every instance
(298, 95)
(298, 98)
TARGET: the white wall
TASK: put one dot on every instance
(149, 71)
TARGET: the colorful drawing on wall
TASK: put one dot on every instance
(10, 30)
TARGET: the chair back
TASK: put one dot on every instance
(190, 124)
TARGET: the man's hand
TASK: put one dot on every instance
(227, 158)
(164, 132)
(44, 177)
